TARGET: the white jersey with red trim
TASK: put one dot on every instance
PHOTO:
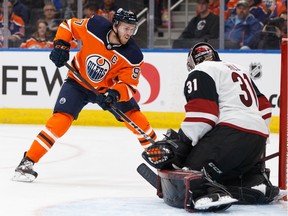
(222, 93)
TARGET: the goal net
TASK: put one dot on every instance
(283, 127)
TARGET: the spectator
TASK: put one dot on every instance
(214, 7)
(16, 26)
(258, 10)
(271, 35)
(231, 5)
(32, 4)
(90, 10)
(107, 9)
(203, 27)
(21, 10)
(70, 9)
(39, 39)
(58, 4)
(241, 28)
(268, 3)
(277, 8)
(49, 16)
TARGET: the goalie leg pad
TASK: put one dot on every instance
(175, 186)
(187, 189)
(253, 187)
(249, 196)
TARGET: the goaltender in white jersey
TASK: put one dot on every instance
(223, 136)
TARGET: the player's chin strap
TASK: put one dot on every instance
(116, 33)
(115, 109)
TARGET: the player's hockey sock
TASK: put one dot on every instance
(56, 127)
(138, 118)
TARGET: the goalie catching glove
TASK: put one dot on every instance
(172, 150)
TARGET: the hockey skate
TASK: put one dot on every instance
(24, 172)
(214, 202)
(217, 197)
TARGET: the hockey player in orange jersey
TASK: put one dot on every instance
(111, 62)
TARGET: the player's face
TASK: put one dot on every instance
(125, 31)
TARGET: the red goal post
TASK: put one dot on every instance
(283, 127)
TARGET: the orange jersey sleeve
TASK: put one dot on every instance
(101, 64)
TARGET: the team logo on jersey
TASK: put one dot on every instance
(97, 67)
(62, 100)
(255, 70)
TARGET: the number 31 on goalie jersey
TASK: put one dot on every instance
(246, 87)
(191, 86)
(201, 85)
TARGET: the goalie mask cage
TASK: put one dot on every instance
(283, 126)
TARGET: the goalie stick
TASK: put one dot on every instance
(147, 174)
(115, 109)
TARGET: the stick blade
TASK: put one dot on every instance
(147, 174)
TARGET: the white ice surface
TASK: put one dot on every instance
(92, 171)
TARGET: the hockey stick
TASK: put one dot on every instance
(270, 157)
(115, 109)
(147, 174)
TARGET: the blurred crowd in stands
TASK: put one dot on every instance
(248, 24)
(33, 24)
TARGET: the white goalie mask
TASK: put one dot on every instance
(201, 52)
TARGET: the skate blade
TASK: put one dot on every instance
(206, 203)
(281, 195)
(23, 177)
